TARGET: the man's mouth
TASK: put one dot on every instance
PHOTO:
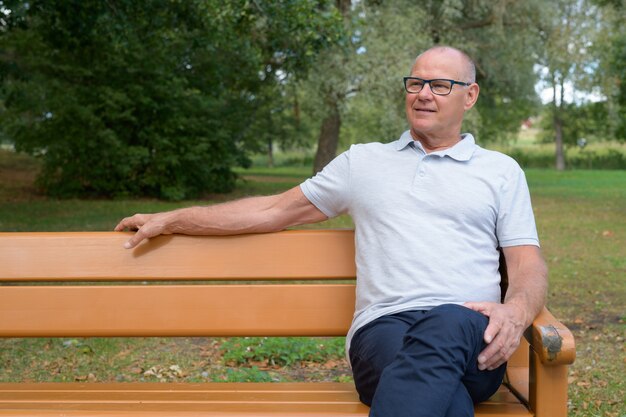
(425, 110)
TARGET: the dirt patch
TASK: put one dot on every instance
(17, 177)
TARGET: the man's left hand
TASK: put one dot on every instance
(506, 325)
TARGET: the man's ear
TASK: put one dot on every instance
(472, 96)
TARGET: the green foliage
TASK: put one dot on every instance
(597, 157)
(149, 98)
(389, 42)
(609, 69)
(613, 65)
(586, 120)
(282, 351)
(502, 40)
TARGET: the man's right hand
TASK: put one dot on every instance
(146, 225)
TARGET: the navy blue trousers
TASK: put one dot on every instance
(423, 363)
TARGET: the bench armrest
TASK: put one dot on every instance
(551, 340)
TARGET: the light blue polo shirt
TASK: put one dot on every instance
(428, 226)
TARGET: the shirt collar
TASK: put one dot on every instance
(405, 140)
(461, 151)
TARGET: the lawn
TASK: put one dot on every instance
(581, 222)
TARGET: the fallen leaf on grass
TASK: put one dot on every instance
(259, 364)
(81, 378)
(163, 375)
(176, 371)
(330, 364)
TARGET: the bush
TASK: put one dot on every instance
(608, 159)
(593, 157)
(150, 98)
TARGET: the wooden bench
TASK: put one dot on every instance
(86, 285)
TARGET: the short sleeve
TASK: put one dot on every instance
(329, 190)
(516, 222)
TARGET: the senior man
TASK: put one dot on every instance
(429, 335)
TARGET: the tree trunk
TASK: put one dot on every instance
(558, 123)
(329, 132)
(329, 137)
(270, 153)
(344, 7)
(560, 154)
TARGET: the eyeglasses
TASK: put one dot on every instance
(439, 86)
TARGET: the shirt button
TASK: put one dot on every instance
(422, 173)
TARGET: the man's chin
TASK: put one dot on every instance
(421, 129)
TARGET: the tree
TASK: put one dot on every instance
(567, 59)
(148, 98)
(502, 37)
(332, 83)
(385, 36)
(610, 46)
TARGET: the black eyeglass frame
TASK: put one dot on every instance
(452, 82)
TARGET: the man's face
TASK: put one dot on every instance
(433, 117)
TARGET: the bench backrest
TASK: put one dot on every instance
(87, 284)
(82, 284)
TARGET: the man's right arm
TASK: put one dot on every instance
(250, 215)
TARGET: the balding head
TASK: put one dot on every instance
(436, 119)
(469, 70)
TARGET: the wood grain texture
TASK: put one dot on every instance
(217, 399)
(95, 256)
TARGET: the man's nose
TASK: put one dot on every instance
(426, 93)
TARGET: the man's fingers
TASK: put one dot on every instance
(136, 239)
(135, 222)
(499, 350)
(493, 338)
(493, 352)
(131, 243)
(123, 224)
(501, 335)
(493, 328)
(482, 308)
(131, 223)
(500, 355)
(120, 226)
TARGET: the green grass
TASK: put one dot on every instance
(281, 351)
(581, 222)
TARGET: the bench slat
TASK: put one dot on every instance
(240, 399)
(176, 310)
(83, 256)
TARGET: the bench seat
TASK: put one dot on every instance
(212, 399)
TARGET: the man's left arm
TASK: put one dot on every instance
(524, 299)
